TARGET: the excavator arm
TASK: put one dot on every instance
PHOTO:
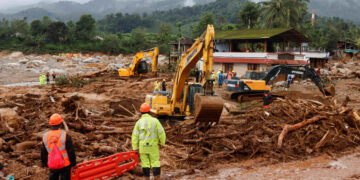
(154, 53)
(303, 70)
(202, 48)
(208, 108)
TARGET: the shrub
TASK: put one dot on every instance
(61, 80)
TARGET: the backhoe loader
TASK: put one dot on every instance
(240, 89)
(140, 67)
(187, 99)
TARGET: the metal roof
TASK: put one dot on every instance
(252, 34)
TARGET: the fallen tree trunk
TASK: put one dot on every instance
(288, 128)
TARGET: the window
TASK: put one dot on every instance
(228, 67)
(253, 67)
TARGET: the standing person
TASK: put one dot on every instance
(57, 143)
(229, 76)
(197, 75)
(267, 99)
(163, 85)
(213, 77)
(289, 80)
(47, 78)
(220, 79)
(54, 76)
(318, 72)
(40, 79)
(156, 86)
(4, 173)
(234, 73)
(43, 78)
(145, 138)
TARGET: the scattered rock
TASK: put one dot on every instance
(91, 60)
(9, 119)
(113, 66)
(23, 61)
(16, 55)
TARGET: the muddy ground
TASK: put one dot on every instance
(101, 114)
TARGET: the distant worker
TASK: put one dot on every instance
(289, 81)
(234, 73)
(197, 75)
(47, 78)
(4, 173)
(318, 72)
(163, 85)
(229, 76)
(54, 76)
(40, 79)
(43, 78)
(57, 150)
(145, 138)
(220, 79)
(213, 77)
(156, 86)
(267, 98)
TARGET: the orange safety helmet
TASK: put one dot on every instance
(55, 119)
(144, 108)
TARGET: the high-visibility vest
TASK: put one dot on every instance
(58, 137)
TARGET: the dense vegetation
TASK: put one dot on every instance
(129, 33)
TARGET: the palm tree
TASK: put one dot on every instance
(284, 13)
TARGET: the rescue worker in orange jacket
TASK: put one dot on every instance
(63, 141)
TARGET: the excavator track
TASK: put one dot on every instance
(208, 109)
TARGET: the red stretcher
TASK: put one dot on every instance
(105, 168)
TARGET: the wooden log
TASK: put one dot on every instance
(356, 115)
(288, 128)
(322, 141)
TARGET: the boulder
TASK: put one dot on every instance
(23, 61)
(113, 66)
(91, 60)
(57, 71)
(280, 83)
(16, 55)
(12, 64)
(10, 120)
(38, 62)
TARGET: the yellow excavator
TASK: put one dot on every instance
(191, 99)
(140, 67)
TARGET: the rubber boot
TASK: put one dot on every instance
(146, 173)
(156, 173)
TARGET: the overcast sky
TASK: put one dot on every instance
(11, 3)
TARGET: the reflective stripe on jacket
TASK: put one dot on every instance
(146, 135)
(58, 137)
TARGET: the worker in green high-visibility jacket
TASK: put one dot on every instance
(146, 135)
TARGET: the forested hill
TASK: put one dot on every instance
(345, 9)
(226, 10)
(69, 10)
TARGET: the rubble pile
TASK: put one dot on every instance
(321, 126)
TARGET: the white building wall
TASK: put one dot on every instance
(223, 47)
(240, 69)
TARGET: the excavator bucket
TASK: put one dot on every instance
(330, 91)
(208, 109)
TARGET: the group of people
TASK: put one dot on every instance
(160, 86)
(57, 150)
(46, 78)
(221, 78)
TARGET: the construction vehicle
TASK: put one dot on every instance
(241, 89)
(138, 66)
(105, 168)
(187, 99)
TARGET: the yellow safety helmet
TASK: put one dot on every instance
(220, 69)
(164, 80)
